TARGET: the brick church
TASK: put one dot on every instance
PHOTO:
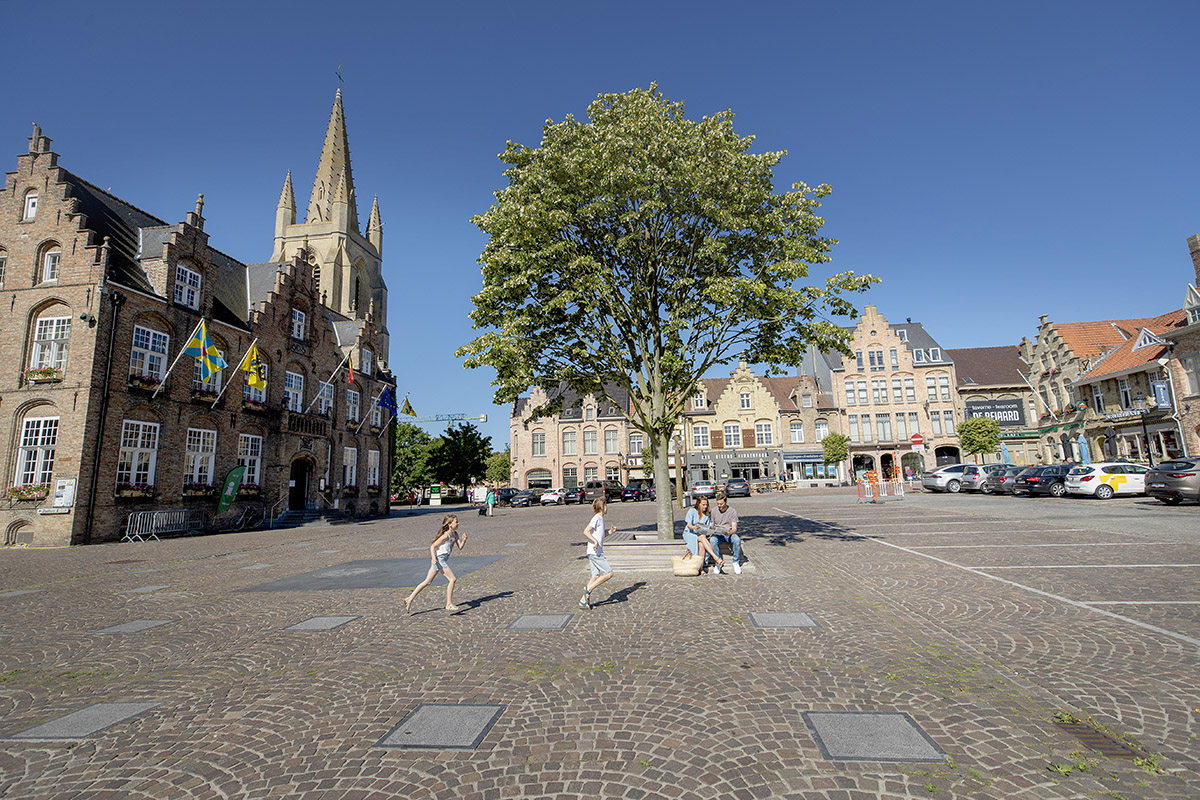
(98, 418)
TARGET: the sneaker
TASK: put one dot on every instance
(716, 569)
(737, 568)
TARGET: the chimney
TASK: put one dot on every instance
(1194, 247)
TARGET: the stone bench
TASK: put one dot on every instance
(647, 553)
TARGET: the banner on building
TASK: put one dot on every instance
(1007, 413)
(1162, 393)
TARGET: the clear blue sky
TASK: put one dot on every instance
(990, 161)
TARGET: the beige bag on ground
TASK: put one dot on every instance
(686, 565)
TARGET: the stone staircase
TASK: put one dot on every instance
(310, 518)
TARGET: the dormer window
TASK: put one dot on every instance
(903, 334)
(187, 287)
(30, 211)
(299, 320)
(935, 354)
(918, 356)
(699, 401)
(367, 365)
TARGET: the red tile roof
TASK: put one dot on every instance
(1125, 358)
(1091, 339)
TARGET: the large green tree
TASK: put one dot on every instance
(637, 250)
(836, 448)
(499, 468)
(412, 450)
(460, 455)
(979, 435)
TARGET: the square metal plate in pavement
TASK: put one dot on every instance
(320, 624)
(443, 727)
(871, 736)
(379, 573)
(540, 622)
(83, 723)
(782, 619)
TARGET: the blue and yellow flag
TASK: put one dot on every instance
(388, 400)
(201, 348)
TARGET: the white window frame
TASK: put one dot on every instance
(806, 401)
(1126, 393)
(935, 420)
(883, 427)
(590, 473)
(353, 406)
(148, 354)
(29, 210)
(612, 441)
(537, 444)
(51, 336)
(366, 361)
(931, 388)
(901, 428)
(51, 265)
(137, 460)
(948, 421)
(325, 398)
(852, 420)
(850, 401)
(590, 443)
(187, 286)
(865, 428)
(903, 334)
(797, 431)
(744, 400)
(377, 415)
(914, 423)
(944, 385)
(293, 391)
(764, 434)
(935, 354)
(895, 357)
(733, 434)
(213, 384)
(373, 468)
(699, 401)
(910, 390)
(200, 458)
(918, 356)
(35, 453)
(1097, 398)
(820, 429)
(700, 440)
(299, 324)
(862, 393)
(3, 266)
(568, 443)
(637, 443)
(250, 457)
(349, 467)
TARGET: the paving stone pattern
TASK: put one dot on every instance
(665, 689)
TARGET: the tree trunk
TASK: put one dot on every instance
(664, 513)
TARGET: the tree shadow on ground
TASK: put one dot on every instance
(781, 531)
(621, 595)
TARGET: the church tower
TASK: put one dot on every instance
(347, 264)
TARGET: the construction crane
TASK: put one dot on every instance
(443, 418)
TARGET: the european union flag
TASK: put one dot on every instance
(387, 400)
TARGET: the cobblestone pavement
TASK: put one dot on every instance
(981, 622)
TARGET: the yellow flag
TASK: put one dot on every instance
(255, 369)
(407, 408)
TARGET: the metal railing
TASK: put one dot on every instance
(145, 525)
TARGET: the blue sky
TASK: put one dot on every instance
(990, 161)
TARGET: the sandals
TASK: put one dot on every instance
(454, 608)
(583, 603)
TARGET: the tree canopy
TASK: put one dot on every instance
(460, 455)
(412, 450)
(836, 447)
(499, 468)
(637, 250)
(979, 435)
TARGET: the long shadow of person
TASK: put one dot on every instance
(621, 595)
(465, 605)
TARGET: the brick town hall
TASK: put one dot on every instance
(96, 425)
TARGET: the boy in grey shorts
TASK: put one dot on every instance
(594, 532)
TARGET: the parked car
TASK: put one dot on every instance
(504, 495)
(974, 477)
(1107, 478)
(554, 497)
(1004, 481)
(635, 492)
(702, 489)
(1026, 479)
(1051, 480)
(576, 495)
(737, 487)
(1174, 481)
(609, 490)
(523, 498)
(652, 492)
(944, 479)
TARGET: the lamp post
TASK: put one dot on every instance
(1139, 403)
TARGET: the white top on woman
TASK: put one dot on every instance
(596, 526)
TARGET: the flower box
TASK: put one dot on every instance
(145, 383)
(134, 490)
(33, 491)
(254, 405)
(374, 488)
(248, 490)
(352, 424)
(43, 375)
(376, 430)
(205, 395)
(198, 490)
(350, 491)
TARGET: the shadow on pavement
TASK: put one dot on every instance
(780, 532)
(478, 601)
(621, 595)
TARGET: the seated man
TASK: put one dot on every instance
(725, 525)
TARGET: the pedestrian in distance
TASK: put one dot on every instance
(491, 501)
(439, 551)
(597, 563)
(697, 525)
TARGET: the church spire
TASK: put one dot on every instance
(332, 169)
(375, 227)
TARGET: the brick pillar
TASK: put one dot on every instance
(1194, 247)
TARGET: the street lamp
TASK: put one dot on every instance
(1139, 404)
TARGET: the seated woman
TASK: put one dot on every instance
(697, 525)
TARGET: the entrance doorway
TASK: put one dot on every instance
(298, 481)
(862, 465)
(947, 455)
(914, 466)
(887, 467)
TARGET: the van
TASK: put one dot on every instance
(610, 490)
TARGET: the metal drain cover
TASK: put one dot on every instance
(1096, 740)
(83, 723)
(540, 622)
(443, 727)
(137, 626)
(871, 736)
(320, 624)
(782, 619)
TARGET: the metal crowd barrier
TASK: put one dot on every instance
(880, 492)
(144, 525)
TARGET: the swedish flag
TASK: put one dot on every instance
(201, 348)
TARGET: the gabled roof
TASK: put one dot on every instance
(989, 366)
(111, 216)
(1090, 339)
(1129, 358)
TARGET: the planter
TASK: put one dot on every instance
(352, 424)
(144, 384)
(252, 405)
(247, 492)
(350, 491)
(206, 397)
(373, 490)
(34, 493)
(133, 494)
(43, 375)
(206, 491)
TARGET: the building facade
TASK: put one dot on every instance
(992, 383)
(1184, 364)
(589, 439)
(109, 419)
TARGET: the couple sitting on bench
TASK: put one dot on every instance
(703, 531)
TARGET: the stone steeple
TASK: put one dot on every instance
(285, 212)
(332, 169)
(375, 228)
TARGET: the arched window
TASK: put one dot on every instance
(49, 261)
(31, 203)
(200, 458)
(51, 333)
(3, 265)
(148, 356)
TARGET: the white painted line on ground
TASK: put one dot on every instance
(938, 522)
(1144, 603)
(1084, 566)
(1059, 598)
(961, 533)
(1014, 546)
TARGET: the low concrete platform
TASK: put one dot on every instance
(654, 555)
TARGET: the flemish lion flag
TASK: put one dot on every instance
(202, 349)
(255, 369)
(407, 408)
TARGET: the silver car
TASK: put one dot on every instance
(975, 477)
(945, 479)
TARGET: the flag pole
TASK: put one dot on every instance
(163, 382)
(385, 427)
(329, 382)
(236, 369)
(374, 403)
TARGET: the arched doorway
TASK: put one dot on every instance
(299, 482)
(914, 466)
(887, 467)
(862, 465)
(947, 455)
(538, 479)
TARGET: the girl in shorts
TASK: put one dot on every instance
(439, 552)
(594, 532)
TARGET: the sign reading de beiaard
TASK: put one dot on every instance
(1007, 413)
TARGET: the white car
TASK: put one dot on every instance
(1105, 479)
(555, 496)
(945, 479)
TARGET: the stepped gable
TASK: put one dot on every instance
(1091, 339)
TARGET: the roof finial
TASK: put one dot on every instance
(200, 205)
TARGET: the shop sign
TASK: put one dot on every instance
(1007, 413)
(1162, 393)
(792, 458)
